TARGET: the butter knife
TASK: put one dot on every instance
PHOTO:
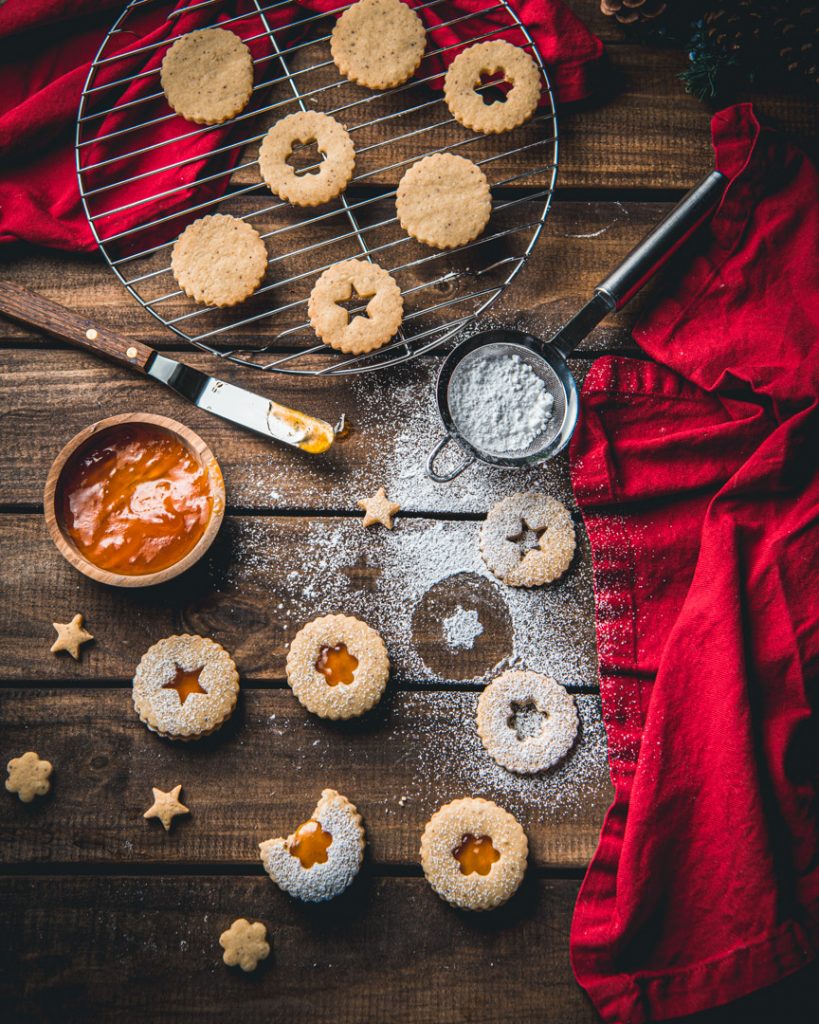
(244, 408)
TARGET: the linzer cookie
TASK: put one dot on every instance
(474, 854)
(528, 539)
(316, 186)
(526, 721)
(378, 43)
(207, 76)
(381, 316)
(337, 666)
(466, 73)
(219, 260)
(322, 857)
(185, 687)
(444, 201)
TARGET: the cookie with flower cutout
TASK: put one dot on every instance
(338, 666)
(323, 856)
(185, 687)
(474, 854)
(528, 539)
(526, 721)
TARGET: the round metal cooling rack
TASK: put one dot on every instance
(139, 193)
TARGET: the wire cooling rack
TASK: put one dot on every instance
(139, 194)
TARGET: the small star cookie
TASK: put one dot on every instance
(28, 776)
(245, 944)
(378, 509)
(166, 806)
(70, 637)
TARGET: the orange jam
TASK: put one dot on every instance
(185, 683)
(337, 665)
(134, 499)
(475, 853)
(310, 844)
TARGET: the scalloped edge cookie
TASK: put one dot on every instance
(316, 187)
(543, 564)
(219, 260)
(332, 323)
(444, 201)
(378, 43)
(207, 76)
(464, 75)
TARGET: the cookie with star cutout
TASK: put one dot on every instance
(528, 539)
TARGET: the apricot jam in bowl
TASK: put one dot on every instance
(134, 500)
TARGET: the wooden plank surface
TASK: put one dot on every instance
(263, 773)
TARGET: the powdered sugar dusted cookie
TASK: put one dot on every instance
(526, 721)
(363, 333)
(444, 201)
(316, 186)
(207, 76)
(474, 854)
(494, 57)
(322, 857)
(528, 539)
(219, 260)
(185, 687)
(338, 666)
(378, 43)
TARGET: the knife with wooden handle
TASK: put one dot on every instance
(236, 405)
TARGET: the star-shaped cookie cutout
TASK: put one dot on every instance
(245, 944)
(527, 537)
(378, 509)
(166, 806)
(70, 637)
(28, 776)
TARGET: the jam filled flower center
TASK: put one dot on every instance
(337, 665)
(475, 854)
(310, 844)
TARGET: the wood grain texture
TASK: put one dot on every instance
(136, 949)
(261, 776)
(265, 577)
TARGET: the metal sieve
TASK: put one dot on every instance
(549, 360)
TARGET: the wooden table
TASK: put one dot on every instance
(106, 916)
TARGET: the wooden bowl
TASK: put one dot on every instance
(204, 456)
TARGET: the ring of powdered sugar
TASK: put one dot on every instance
(321, 882)
(445, 831)
(542, 564)
(528, 754)
(201, 713)
(345, 700)
(315, 187)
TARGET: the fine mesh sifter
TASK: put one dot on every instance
(548, 360)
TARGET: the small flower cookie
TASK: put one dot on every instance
(367, 331)
(444, 201)
(322, 857)
(245, 944)
(219, 260)
(316, 186)
(207, 76)
(28, 776)
(185, 687)
(378, 43)
(522, 694)
(474, 854)
(338, 666)
(487, 59)
(528, 539)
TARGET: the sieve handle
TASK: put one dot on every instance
(444, 478)
(660, 243)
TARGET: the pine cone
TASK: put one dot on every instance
(736, 26)
(632, 12)
(797, 40)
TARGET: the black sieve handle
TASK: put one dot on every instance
(660, 243)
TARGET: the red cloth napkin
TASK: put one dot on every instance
(697, 480)
(42, 74)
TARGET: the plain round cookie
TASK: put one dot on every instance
(508, 523)
(444, 201)
(496, 708)
(444, 833)
(343, 700)
(339, 818)
(331, 321)
(464, 77)
(219, 260)
(161, 707)
(314, 187)
(378, 43)
(207, 76)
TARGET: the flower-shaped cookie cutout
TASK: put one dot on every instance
(28, 776)
(474, 854)
(322, 857)
(245, 944)
(528, 539)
